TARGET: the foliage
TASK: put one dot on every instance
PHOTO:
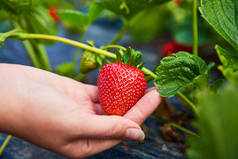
(229, 67)
(222, 16)
(65, 69)
(217, 125)
(79, 19)
(176, 72)
(37, 20)
(18, 6)
(180, 74)
(128, 8)
(154, 20)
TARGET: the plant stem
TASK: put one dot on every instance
(113, 47)
(31, 53)
(76, 55)
(5, 144)
(29, 49)
(183, 129)
(148, 72)
(184, 98)
(44, 57)
(195, 28)
(94, 50)
(64, 40)
(121, 33)
(176, 126)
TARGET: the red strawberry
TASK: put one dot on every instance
(177, 1)
(173, 47)
(120, 87)
(53, 14)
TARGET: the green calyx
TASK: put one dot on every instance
(130, 57)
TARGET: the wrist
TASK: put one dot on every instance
(9, 98)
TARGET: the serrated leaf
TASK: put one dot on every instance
(217, 125)
(222, 16)
(176, 72)
(128, 8)
(230, 64)
(65, 69)
(73, 17)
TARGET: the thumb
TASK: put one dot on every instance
(112, 127)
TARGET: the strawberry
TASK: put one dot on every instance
(173, 47)
(53, 14)
(177, 1)
(120, 87)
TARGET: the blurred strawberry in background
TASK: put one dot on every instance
(53, 14)
(177, 1)
(173, 47)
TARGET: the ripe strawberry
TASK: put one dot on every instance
(53, 14)
(177, 1)
(120, 87)
(173, 47)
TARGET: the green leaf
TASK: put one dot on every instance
(79, 19)
(128, 8)
(17, 6)
(222, 16)
(176, 72)
(229, 67)
(73, 17)
(94, 12)
(153, 20)
(217, 85)
(65, 69)
(217, 125)
(136, 58)
(38, 21)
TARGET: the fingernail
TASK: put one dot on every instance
(135, 134)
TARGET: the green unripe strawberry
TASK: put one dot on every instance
(88, 62)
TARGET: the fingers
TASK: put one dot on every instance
(87, 147)
(98, 109)
(92, 92)
(109, 127)
(144, 107)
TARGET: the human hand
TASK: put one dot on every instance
(63, 115)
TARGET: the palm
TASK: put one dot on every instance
(77, 125)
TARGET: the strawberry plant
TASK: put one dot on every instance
(123, 77)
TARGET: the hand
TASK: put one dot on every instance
(63, 115)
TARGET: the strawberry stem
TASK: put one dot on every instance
(176, 126)
(195, 28)
(24, 36)
(5, 144)
(183, 129)
(194, 108)
(113, 47)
